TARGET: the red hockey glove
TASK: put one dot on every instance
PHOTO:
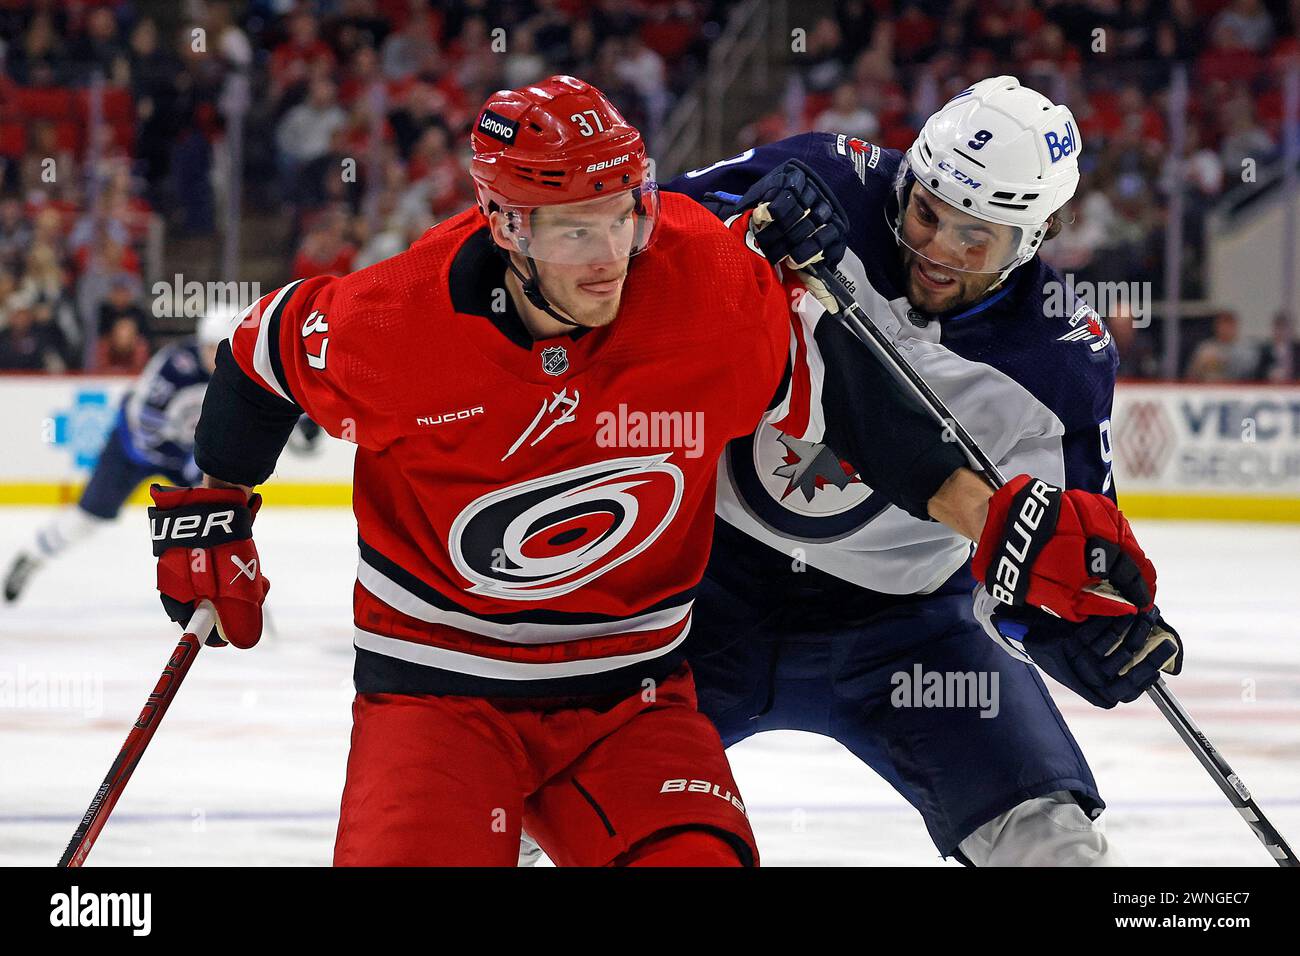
(1057, 550)
(203, 540)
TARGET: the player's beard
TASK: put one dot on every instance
(966, 289)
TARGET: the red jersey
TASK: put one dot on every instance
(534, 516)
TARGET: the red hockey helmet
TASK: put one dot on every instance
(560, 142)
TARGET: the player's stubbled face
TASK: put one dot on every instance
(951, 259)
(583, 253)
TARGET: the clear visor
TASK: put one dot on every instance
(608, 229)
(946, 236)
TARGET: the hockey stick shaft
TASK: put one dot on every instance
(106, 797)
(864, 329)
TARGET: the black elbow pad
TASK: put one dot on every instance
(243, 427)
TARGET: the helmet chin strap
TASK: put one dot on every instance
(532, 287)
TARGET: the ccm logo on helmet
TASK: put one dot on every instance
(607, 163)
(1011, 564)
(958, 175)
(497, 126)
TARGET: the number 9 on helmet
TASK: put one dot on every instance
(1005, 158)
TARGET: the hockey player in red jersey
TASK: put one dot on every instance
(523, 589)
(528, 558)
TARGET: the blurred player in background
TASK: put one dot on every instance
(820, 593)
(153, 435)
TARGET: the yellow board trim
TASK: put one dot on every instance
(305, 495)
(1210, 507)
(339, 495)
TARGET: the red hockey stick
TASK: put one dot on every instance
(106, 797)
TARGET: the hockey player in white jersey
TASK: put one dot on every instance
(153, 435)
(829, 609)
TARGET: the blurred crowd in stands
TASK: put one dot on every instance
(355, 118)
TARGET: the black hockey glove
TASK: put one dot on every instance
(797, 219)
(1105, 660)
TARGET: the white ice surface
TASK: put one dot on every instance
(248, 765)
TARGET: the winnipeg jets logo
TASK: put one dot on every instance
(799, 487)
(552, 535)
(561, 406)
(811, 466)
(555, 360)
(1087, 327)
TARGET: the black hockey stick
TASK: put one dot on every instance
(864, 329)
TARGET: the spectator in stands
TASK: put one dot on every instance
(525, 64)
(1226, 59)
(579, 56)
(45, 289)
(552, 30)
(643, 70)
(99, 50)
(823, 66)
(8, 285)
(123, 351)
(15, 232)
(153, 89)
(1202, 168)
(408, 50)
(401, 231)
(437, 186)
(326, 249)
(1243, 138)
(1279, 357)
(293, 61)
(474, 64)
(46, 167)
(847, 115)
(857, 22)
(322, 181)
(1137, 357)
(1083, 232)
(1249, 22)
(39, 58)
(229, 41)
(1223, 357)
(122, 300)
(306, 130)
(29, 345)
(616, 18)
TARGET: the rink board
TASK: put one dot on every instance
(1179, 451)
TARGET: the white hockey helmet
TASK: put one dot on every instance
(216, 324)
(999, 152)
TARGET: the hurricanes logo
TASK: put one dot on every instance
(551, 535)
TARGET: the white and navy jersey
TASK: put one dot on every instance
(156, 423)
(1029, 372)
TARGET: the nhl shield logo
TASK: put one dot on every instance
(555, 361)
